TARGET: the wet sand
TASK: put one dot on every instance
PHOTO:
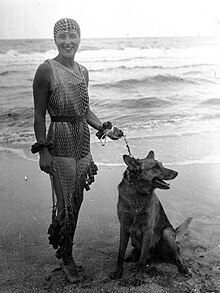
(28, 262)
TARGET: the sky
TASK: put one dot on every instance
(111, 18)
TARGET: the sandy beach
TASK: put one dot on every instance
(163, 92)
(28, 263)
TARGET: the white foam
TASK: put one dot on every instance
(18, 152)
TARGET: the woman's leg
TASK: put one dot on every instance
(59, 192)
(67, 213)
(70, 267)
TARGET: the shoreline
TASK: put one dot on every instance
(28, 262)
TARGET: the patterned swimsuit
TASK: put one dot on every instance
(70, 140)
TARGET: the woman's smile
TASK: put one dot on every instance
(67, 42)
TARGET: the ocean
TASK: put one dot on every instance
(164, 93)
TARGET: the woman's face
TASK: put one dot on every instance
(67, 43)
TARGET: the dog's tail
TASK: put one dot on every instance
(182, 229)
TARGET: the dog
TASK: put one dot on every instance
(143, 218)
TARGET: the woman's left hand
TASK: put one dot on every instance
(115, 133)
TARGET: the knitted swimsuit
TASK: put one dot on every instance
(71, 140)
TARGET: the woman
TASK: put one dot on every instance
(60, 87)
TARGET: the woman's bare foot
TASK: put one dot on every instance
(71, 272)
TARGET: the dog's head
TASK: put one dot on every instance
(148, 173)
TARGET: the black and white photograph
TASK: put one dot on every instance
(109, 146)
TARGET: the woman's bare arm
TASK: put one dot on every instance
(41, 89)
(92, 119)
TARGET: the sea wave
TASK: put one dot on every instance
(137, 67)
(7, 72)
(143, 103)
(213, 116)
(129, 104)
(212, 102)
(17, 117)
(160, 79)
(86, 56)
(90, 53)
(13, 57)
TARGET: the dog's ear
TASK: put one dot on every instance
(150, 155)
(131, 162)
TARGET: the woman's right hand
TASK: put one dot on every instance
(46, 161)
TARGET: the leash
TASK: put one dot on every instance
(127, 146)
(103, 139)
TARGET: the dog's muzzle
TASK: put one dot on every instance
(159, 183)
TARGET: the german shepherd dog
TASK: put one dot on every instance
(142, 217)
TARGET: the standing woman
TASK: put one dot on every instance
(61, 87)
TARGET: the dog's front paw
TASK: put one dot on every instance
(116, 274)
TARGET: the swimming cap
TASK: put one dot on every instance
(66, 24)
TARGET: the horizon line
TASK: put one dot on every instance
(118, 37)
